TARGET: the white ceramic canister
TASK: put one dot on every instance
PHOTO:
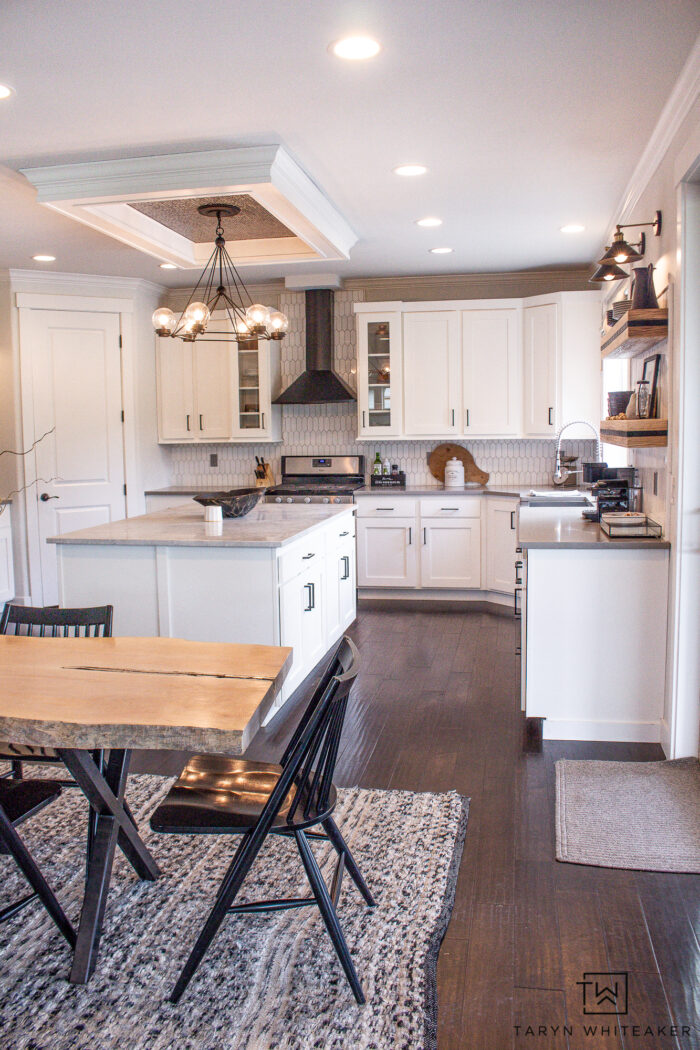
(454, 474)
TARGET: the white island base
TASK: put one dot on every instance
(276, 577)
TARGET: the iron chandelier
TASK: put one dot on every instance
(220, 287)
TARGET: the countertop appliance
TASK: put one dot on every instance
(610, 494)
(318, 479)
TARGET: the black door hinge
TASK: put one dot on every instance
(122, 415)
(125, 488)
(120, 342)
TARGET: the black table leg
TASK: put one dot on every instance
(111, 825)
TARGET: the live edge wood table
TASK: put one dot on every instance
(84, 695)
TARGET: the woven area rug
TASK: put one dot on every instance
(643, 815)
(267, 982)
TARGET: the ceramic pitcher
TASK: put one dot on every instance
(643, 294)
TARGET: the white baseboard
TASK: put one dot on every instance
(624, 732)
(434, 595)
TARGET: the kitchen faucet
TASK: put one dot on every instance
(558, 473)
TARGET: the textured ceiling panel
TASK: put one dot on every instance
(254, 223)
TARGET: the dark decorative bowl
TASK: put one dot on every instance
(234, 503)
(618, 400)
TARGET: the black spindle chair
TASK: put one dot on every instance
(19, 800)
(224, 796)
(50, 622)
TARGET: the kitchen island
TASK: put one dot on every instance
(278, 576)
(593, 628)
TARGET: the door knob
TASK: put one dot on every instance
(45, 496)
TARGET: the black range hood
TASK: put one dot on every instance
(318, 384)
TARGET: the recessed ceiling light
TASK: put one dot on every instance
(410, 169)
(44, 258)
(355, 47)
(168, 266)
(441, 251)
(573, 227)
(5, 91)
(429, 221)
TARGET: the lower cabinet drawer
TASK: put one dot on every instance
(446, 506)
(301, 556)
(386, 507)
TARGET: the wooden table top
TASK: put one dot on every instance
(163, 693)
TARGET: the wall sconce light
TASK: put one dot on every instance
(609, 271)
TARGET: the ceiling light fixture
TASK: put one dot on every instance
(572, 227)
(607, 272)
(168, 266)
(410, 169)
(44, 258)
(428, 222)
(5, 91)
(220, 287)
(441, 251)
(355, 48)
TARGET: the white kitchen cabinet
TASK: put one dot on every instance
(491, 351)
(431, 369)
(541, 378)
(211, 391)
(387, 552)
(175, 390)
(451, 552)
(211, 365)
(501, 538)
(379, 385)
(341, 587)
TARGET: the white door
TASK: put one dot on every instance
(175, 390)
(212, 388)
(541, 378)
(386, 553)
(450, 552)
(501, 541)
(490, 372)
(76, 394)
(432, 402)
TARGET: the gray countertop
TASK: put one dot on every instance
(267, 525)
(566, 528)
(512, 491)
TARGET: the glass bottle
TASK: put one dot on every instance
(377, 466)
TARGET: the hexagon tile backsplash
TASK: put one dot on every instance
(332, 429)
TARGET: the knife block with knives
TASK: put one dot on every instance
(264, 477)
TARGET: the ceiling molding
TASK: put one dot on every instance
(81, 283)
(679, 104)
(98, 194)
(518, 284)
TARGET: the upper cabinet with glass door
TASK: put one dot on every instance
(379, 374)
(257, 380)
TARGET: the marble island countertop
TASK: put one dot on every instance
(565, 528)
(267, 525)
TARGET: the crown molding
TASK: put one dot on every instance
(513, 284)
(81, 283)
(678, 105)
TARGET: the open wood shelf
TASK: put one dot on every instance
(636, 332)
(635, 433)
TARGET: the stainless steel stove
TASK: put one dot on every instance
(318, 479)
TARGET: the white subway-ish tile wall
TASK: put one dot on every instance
(332, 429)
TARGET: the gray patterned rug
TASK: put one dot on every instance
(267, 982)
(643, 815)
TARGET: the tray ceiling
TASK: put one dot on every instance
(150, 203)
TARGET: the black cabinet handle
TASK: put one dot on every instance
(512, 520)
(467, 417)
(188, 422)
(518, 567)
(312, 597)
(345, 533)
(346, 559)
(201, 427)
(306, 557)
(449, 508)
(453, 417)
(382, 509)
(363, 419)
(263, 420)
(551, 421)
(425, 538)
(516, 611)
(410, 535)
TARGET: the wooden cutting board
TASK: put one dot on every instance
(438, 458)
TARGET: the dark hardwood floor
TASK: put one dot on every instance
(436, 709)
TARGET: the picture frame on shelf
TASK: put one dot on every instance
(650, 374)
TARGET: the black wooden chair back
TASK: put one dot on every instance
(309, 761)
(52, 622)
